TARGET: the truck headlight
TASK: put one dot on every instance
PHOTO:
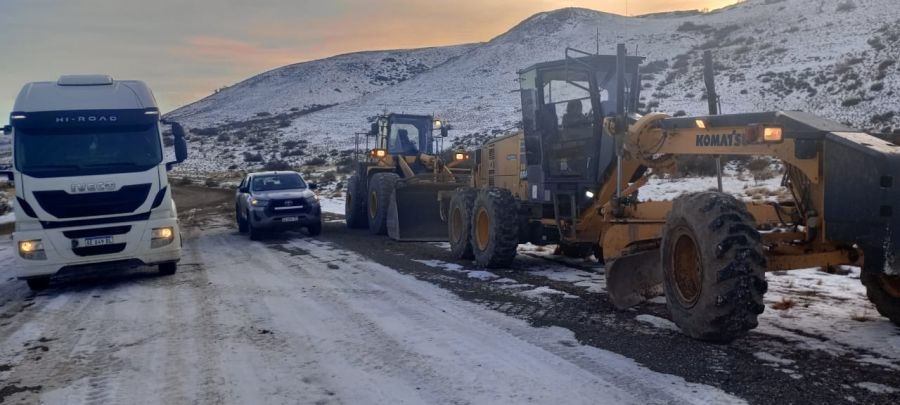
(32, 250)
(162, 236)
(256, 202)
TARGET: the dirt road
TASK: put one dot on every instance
(347, 318)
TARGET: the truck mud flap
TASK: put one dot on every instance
(634, 278)
(415, 213)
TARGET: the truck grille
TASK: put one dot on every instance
(64, 205)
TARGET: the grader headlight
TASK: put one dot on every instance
(460, 156)
(378, 153)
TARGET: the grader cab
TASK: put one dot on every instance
(397, 183)
(575, 181)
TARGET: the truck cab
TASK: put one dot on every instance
(90, 173)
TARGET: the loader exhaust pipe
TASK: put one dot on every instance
(712, 98)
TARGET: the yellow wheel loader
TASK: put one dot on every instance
(573, 175)
(396, 185)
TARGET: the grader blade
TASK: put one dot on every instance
(634, 278)
(415, 213)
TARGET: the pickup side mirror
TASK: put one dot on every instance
(181, 152)
(244, 189)
(313, 186)
(7, 129)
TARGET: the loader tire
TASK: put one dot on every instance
(381, 186)
(495, 228)
(576, 250)
(884, 292)
(355, 206)
(459, 223)
(713, 267)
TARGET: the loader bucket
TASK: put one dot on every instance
(634, 278)
(415, 213)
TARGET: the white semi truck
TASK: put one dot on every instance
(89, 170)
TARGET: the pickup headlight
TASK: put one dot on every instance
(256, 202)
(32, 250)
(162, 236)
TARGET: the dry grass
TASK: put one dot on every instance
(785, 304)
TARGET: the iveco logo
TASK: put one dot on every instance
(93, 187)
(86, 118)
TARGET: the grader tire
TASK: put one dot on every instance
(495, 228)
(459, 223)
(713, 267)
(355, 206)
(381, 186)
(884, 292)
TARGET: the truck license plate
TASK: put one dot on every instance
(98, 241)
(289, 219)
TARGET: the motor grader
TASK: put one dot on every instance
(395, 186)
(573, 176)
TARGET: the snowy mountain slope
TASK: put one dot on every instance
(321, 82)
(771, 54)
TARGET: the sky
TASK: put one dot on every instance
(185, 49)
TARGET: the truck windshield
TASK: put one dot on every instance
(58, 153)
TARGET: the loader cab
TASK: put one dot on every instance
(563, 106)
(405, 135)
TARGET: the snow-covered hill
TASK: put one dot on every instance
(836, 58)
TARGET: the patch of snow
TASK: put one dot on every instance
(332, 205)
(482, 275)
(544, 290)
(657, 322)
(440, 264)
(771, 358)
(832, 312)
(877, 388)
(7, 218)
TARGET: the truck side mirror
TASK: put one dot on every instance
(313, 186)
(444, 131)
(8, 174)
(374, 130)
(181, 152)
(7, 129)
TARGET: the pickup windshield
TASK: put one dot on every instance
(58, 153)
(272, 182)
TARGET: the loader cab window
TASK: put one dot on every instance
(410, 137)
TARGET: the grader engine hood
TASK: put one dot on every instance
(862, 197)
